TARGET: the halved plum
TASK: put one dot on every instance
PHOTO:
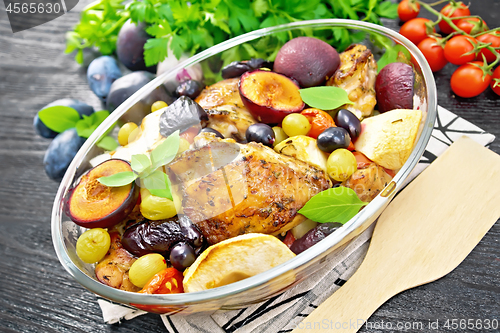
(269, 96)
(94, 205)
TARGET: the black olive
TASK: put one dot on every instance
(182, 256)
(189, 88)
(348, 121)
(333, 138)
(181, 115)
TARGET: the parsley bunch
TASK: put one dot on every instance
(189, 27)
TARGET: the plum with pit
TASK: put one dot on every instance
(269, 96)
(95, 205)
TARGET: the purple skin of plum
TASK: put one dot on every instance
(394, 87)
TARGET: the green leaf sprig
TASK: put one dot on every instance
(147, 169)
(189, 27)
(61, 118)
(325, 97)
(392, 52)
(338, 204)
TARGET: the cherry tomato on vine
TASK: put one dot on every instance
(494, 39)
(471, 25)
(494, 84)
(452, 10)
(434, 53)
(407, 10)
(467, 81)
(319, 120)
(415, 29)
(456, 48)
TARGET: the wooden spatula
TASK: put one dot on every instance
(427, 231)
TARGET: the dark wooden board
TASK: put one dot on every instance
(38, 295)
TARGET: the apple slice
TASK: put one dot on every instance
(269, 96)
(235, 259)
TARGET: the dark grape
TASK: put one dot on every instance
(130, 46)
(211, 130)
(102, 72)
(182, 256)
(348, 121)
(80, 107)
(313, 236)
(333, 138)
(61, 152)
(260, 133)
(189, 88)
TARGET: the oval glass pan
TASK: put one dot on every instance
(274, 281)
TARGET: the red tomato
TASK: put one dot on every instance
(452, 10)
(434, 53)
(407, 10)
(289, 238)
(167, 281)
(467, 81)
(472, 25)
(494, 39)
(495, 85)
(319, 120)
(361, 159)
(456, 48)
(415, 30)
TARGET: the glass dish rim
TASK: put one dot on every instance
(301, 259)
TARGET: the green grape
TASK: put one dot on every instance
(156, 208)
(144, 268)
(296, 124)
(158, 105)
(93, 245)
(127, 133)
(279, 135)
(341, 164)
(183, 145)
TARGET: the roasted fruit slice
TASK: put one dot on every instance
(269, 96)
(94, 205)
(235, 259)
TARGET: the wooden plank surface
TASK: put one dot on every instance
(37, 295)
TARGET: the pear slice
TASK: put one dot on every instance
(387, 139)
(235, 259)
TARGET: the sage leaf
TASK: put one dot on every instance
(165, 151)
(338, 204)
(59, 118)
(140, 162)
(107, 143)
(118, 179)
(86, 126)
(325, 97)
(158, 184)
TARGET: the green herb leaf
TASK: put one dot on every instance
(140, 162)
(392, 55)
(59, 118)
(165, 151)
(118, 179)
(325, 97)
(107, 143)
(86, 126)
(158, 184)
(338, 204)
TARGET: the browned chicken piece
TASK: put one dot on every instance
(226, 112)
(356, 75)
(368, 182)
(229, 189)
(113, 269)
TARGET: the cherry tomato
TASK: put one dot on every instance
(456, 48)
(362, 160)
(415, 30)
(319, 120)
(167, 281)
(452, 10)
(434, 53)
(471, 25)
(407, 10)
(495, 85)
(494, 39)
(467, 81)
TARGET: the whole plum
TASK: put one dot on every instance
(394, 87)
(102, 72)
(130, 46)
(308, 60)
(61, 152)
(79, 106)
